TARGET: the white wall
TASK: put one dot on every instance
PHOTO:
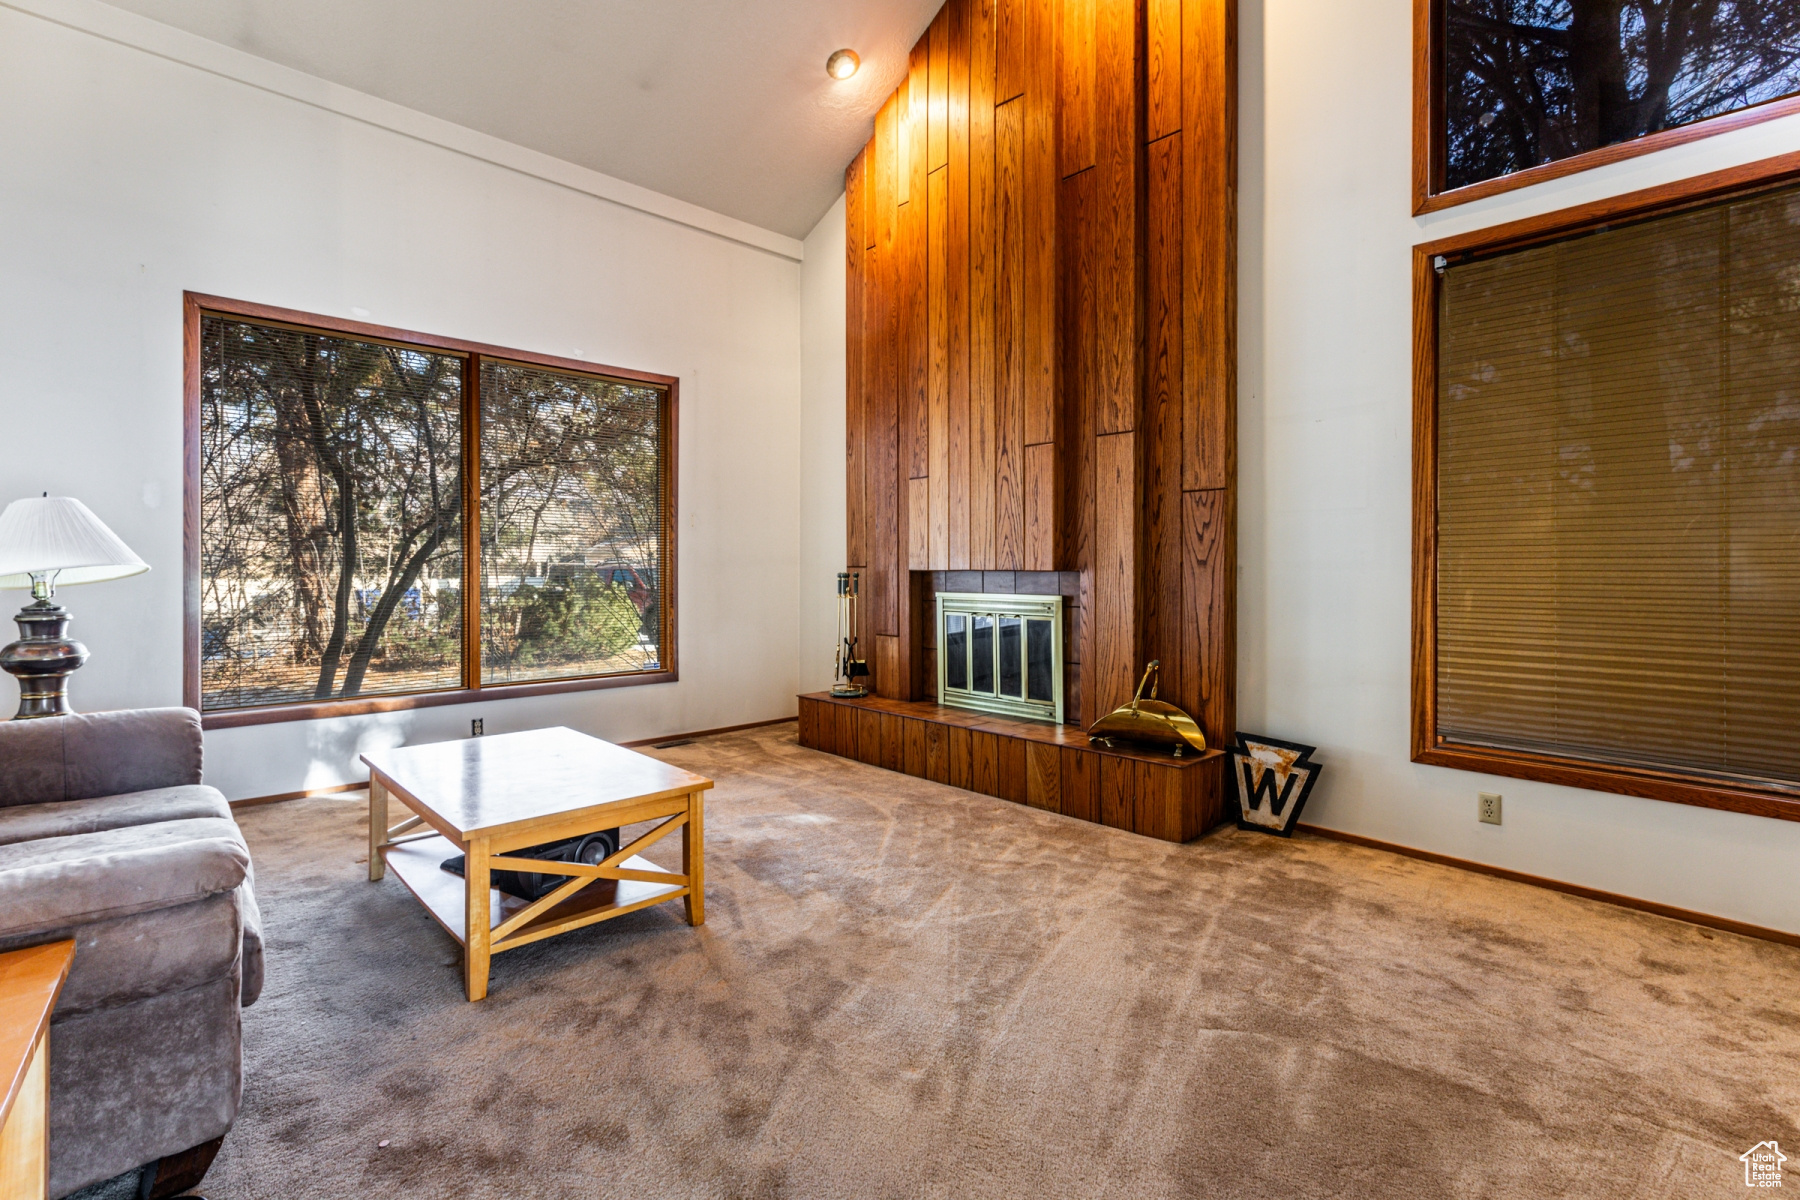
(1325, 451)
(822, 516)
(127, 177)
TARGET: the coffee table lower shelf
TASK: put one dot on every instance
(442, 894)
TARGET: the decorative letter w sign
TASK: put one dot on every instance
(1273, 780)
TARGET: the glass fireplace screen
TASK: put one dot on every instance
(1001, 654)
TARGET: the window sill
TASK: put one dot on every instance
(363, 705)
(1651, 784)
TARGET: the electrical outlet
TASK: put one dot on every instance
(475, 731)
(1488, 807)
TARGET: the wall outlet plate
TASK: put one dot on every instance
(1488, 807)
(475, 731)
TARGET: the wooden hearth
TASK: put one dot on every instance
(1051, 767)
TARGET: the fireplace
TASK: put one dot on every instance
(1001, 653)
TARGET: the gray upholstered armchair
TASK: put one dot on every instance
(107, 836)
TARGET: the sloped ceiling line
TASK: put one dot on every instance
(721, 104)
(151, 37)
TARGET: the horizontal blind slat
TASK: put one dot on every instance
(1619, 494)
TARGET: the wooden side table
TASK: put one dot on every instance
(487, 796)
(30, 981)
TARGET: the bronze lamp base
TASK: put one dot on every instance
(43, 659)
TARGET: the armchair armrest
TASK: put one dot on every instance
(59, 883)
(98, 754)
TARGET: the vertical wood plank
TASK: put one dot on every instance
(856, 329)
(938, 369)
(1162, 68)
(907, 276)
(918, 83)
(1111, 674)
(844, 719)
(1077, 246)
(937, 752)
(1043, 776)
(1040, 197)
(910, 271)
(956, 280)
(1076, 66)
(984, 760)
(1011, 336)
(855, 185)
(1209, 626)
(884, 171)
(913, 743)
(1209, 266)
(1013, 783)
(1204, 805)
(887, 666)
(881, 433)
(1084, 694)
(984, 279)
(916, 77)
(1159, 569)
(824, 727)
(1043, 508)
(1118, 194)
(879, 414)
(1118, 791)
(804, 727)
(881, 317)
(1080, 783)
(913, 617)
(893, 741)
(960, 765)
(1158, 811)
(868, 736)
(1010, 21)
(937, 117)
(918, 528)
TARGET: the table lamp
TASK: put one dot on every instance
(43, 542)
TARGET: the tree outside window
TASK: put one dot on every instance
(1527, 82)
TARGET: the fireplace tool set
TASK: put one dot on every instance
(851, 669)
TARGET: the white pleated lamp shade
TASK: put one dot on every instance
(59, 533)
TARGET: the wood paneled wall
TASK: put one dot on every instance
(1042, 335)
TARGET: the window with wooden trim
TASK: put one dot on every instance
(1609, 417)
(381, 519)
(1512, 91)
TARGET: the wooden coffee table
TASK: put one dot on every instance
(487, 795)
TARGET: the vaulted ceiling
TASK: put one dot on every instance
(723, 103)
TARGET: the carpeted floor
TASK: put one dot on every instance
(904, 990)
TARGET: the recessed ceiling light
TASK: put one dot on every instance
(842, 64)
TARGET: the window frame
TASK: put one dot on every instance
(1429, 153)
(196, 305)
(1682, 787)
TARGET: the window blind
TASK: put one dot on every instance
(1618, 523)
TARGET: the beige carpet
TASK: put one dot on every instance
(904, 990)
